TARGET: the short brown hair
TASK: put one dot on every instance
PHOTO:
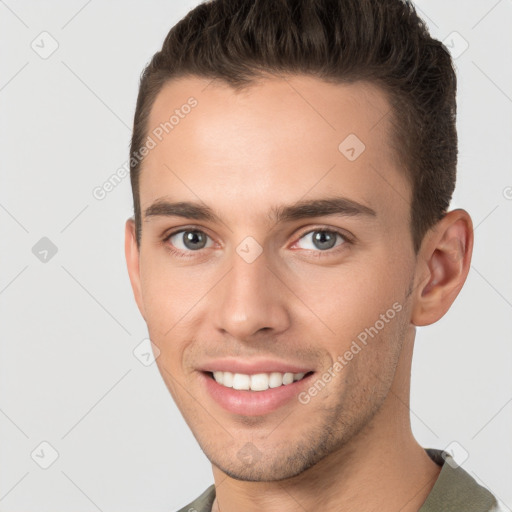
(380, 41)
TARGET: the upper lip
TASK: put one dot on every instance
(251, 367)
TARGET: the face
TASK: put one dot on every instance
(276, 254)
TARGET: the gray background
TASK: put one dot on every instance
(68, 374)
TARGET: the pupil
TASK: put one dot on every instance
(191, 238)
(324, 239)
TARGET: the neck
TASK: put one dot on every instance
(382, 468)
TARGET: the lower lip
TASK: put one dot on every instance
(253, 403)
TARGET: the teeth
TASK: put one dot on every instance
(259, 382)
(226, 379)
(256, 382)
(275, 380)
(241, 381)
(287, 378)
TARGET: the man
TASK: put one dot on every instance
(293, 163)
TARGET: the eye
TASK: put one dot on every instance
(190, 240)
(321, 239)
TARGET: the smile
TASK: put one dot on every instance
(255, 382)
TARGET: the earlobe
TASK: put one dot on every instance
(443, 263)
(132, 254)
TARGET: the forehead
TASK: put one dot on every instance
(276, 141)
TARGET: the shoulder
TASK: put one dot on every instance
(455, 489)
(202, 503)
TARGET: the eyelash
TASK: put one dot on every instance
(190, 254)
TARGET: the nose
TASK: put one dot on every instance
(250, 299)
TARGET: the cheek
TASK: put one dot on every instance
(348, 299)
(169, 292)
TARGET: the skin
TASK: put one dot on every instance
(243, 153)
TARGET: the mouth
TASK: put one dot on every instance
(255, 394)
(257, 381)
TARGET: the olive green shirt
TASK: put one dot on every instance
(455, 490)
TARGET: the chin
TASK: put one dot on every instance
(260, 473)
(263, 469)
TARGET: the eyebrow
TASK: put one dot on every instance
(303, 209)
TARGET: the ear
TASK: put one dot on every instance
(443, 264)
(131, 250)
